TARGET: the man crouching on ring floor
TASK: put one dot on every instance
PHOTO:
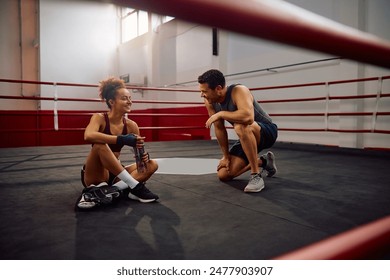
(253, 126)
(103, 175)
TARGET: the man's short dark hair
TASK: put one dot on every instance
(213, 78)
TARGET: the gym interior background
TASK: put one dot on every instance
(332, 149)
(82, 42)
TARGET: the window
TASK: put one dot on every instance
(134, 23)
(158, 20)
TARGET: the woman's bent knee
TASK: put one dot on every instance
(99, 146)
(152, 165)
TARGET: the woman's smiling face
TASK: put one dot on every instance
(122, 101)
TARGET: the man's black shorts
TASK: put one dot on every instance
(268, 135)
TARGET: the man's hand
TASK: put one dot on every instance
(224, 163)
(213, 119)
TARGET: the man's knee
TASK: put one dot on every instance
(241, 129)
(223, 175)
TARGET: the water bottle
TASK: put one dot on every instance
(139, 152)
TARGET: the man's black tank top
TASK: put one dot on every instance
(227, 105)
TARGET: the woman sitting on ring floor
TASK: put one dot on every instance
(103, 175)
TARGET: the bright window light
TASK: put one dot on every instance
(134, 23)
(143, 23)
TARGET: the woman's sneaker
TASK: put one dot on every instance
(255, 184)
(97, 195)
(271, 166)
(85, 201)
(142, 193)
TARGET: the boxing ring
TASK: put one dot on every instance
(310, 209)
(172, 151)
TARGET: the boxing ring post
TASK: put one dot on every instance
(270, 20)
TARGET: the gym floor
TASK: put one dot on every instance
(318, 192)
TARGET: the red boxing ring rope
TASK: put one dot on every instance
(270, 19)
(370, 241)
(323, 98)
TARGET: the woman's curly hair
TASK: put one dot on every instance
(108, 88)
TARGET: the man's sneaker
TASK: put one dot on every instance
(255, 184)
(271, 167)
(142, 193)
